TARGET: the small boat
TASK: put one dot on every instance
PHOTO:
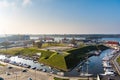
(109, 73)
(49, 67)
(35, 61)
(106, 58)
(33, 68)
(106, 64)
(85, 74)
(39, 69)
(109, 70)
(44, 70)
(97, 53)
(42, 64)
(52, 72)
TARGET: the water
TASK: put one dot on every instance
(60, 38)
(111, 39)
(94, 65)
(16, 59)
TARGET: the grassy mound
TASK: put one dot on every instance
(55, 60)
(26, 52)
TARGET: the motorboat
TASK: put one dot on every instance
(109, 73)
(106, 64)
(98, 77)
(44, 70)
(85, 74)
(33, 67)
(106, 58)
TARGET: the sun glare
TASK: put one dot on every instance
(1, 30)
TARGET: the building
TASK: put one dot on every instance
(47, 39)
(112, 44)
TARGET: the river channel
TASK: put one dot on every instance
(92, 66)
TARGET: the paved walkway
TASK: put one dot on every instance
(117, 67)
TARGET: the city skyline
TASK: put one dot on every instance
(59, 16)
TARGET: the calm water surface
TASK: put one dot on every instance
(94, 65)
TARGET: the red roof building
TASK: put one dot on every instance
(112, 43)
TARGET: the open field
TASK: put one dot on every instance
(53, 44)
(25, 52)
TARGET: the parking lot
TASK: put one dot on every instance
(13, 73)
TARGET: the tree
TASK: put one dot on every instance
(38, 44)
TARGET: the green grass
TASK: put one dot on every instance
(56, 61)
(26, 52)
(12, 51)
(55, 78)
(44, 45)
(118, 60)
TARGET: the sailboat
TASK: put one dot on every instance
(86, 74)
(98, 77)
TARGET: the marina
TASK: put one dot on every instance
(26, 63)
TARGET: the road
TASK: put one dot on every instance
(115, 63)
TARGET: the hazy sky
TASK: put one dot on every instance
(59, 16)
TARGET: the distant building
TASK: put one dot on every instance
(112, 44)
(65, 40)
(47, 39)
(26, 37)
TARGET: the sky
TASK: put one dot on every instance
(59, 16)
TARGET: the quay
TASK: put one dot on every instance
(114, 61)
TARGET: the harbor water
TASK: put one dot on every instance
(92, 66)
